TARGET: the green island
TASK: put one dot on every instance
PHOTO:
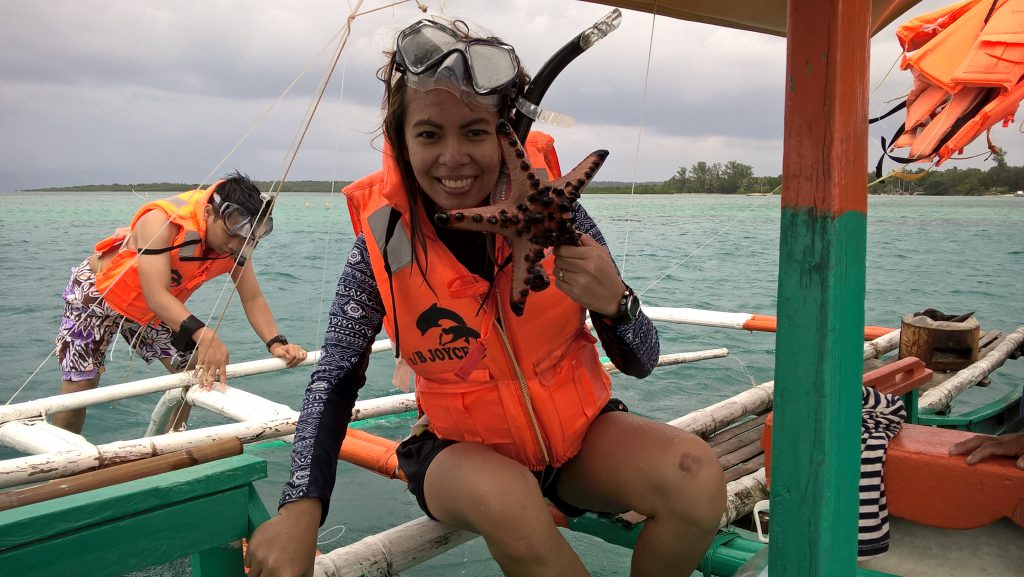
(732, 177)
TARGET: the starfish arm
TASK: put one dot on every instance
(536, 214)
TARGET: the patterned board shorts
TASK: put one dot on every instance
(89, 324)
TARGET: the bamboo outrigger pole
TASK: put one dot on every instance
(821, 290)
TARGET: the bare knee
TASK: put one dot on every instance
(690, 486)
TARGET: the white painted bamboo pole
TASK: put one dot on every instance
(389, 405)
(699, 317)
(38, 436)
(939, 397)
(680, 358)
(882, 345)
(52, 465)
(706, 421)
(391, 552)
(239, 405)
(106, 394)
(743, 494)
(163, 413)
(55, 465)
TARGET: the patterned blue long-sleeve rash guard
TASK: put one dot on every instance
(355, 318)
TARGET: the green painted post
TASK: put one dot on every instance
(816, 432)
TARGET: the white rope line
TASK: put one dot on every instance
(708, 241)
(639, 137)
(319, 336)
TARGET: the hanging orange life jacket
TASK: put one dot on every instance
(968, 65)
(527, 386)
(119, 282)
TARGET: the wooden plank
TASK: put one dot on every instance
(119, 546)
(745, 468)
(988, 340)
(737, 429)
(737, 457)
(50, 518)
(751, 437)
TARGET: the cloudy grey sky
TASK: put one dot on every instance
(104, 91)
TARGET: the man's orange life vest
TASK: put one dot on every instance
(527, 386)
(119, 281)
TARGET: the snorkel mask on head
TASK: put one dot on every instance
(242, 224)
(431, 55)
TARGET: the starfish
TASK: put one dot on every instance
(536, 214)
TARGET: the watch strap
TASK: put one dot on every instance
(628, 308)
(276, 339)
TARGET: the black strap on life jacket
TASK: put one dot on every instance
(168, 248)
(490, 283)
(152, 251)
(394, 217)
(897, 134)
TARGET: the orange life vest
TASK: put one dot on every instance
(119, 281)
(527, 386)
(968, 65)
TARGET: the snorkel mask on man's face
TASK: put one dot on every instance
(482, 72)
(241, 224)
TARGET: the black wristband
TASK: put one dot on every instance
(182, 340)
(275, 340)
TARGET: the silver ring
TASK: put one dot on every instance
(561, 274)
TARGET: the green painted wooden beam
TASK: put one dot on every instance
(50, 518)
(816, 431)
(122, 545)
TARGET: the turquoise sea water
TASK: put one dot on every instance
(713, 252)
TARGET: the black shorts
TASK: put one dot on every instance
(416, 453)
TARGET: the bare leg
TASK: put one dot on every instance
(472, 487)
(74, 420)
(671, 476)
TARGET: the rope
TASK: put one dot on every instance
(639, 137)
(319, 336)
(707, 242)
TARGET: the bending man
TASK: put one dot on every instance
(139, 279)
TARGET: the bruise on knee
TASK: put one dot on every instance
(689, 462)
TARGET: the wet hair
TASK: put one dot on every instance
(393, 106)
(240, 190)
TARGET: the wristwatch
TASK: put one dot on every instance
(275, 340)
(629, 306)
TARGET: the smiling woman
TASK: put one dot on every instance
(461, 347)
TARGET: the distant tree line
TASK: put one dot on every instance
(999, 179)
(173, 187)
(701, 178)
(737, 178)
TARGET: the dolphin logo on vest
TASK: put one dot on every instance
(453, 337)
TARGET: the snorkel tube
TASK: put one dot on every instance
(535, 91)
